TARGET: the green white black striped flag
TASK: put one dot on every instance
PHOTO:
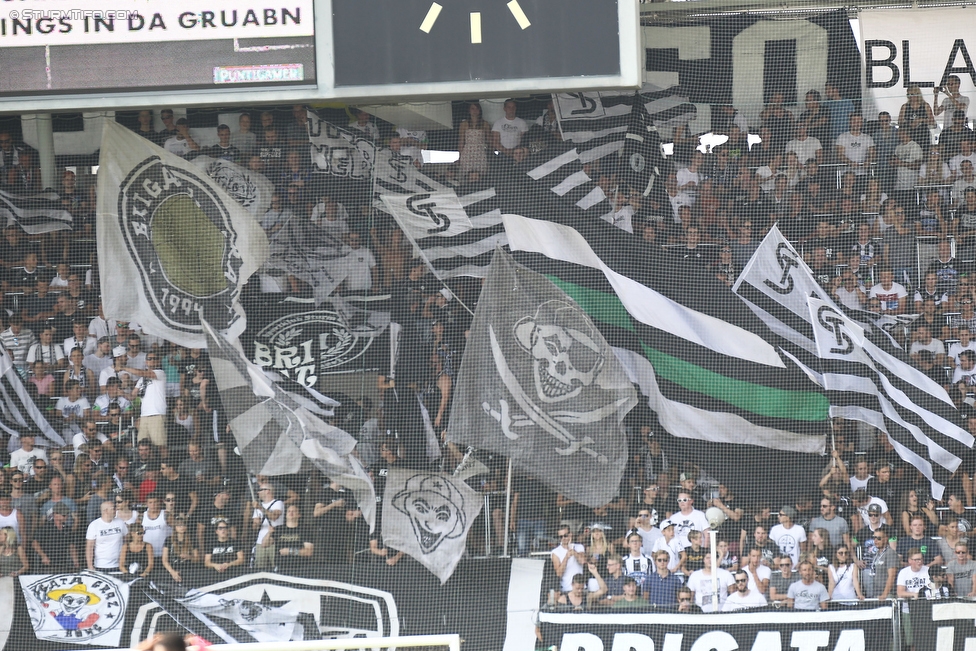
(694, 353)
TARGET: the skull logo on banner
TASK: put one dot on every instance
(566, 365)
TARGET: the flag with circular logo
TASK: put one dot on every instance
(179, 247)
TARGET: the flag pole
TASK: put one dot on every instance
(508, 508)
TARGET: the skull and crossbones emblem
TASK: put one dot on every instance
(567, 357)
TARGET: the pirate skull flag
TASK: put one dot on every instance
(540, 385)
(428, 515)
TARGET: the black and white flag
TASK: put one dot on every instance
(177, 246)
(339, 152)
(882, 389)
(310, 254)
(275, 432)
(251, 189)
(427, 516)
(906, 398)
(35, 213)
(18, 412)
(456, 236)
(540, 385)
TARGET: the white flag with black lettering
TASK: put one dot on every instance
(427, 516)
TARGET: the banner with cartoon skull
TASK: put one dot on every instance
(540, 385)
(83, 608)
(427, 516)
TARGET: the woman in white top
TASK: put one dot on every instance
(845, 582)
(123, 507)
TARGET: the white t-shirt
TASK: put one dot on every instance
(956, 348)
(103, 401)
(950, 107)
(69, 408)
(673, 549)
(736, 601)
(686, 176)
(23, 460)
(907, 152)
(178, 146)
(764, 574)
(957, 160)
(684, 523)
(413, 152)
(154, 395)
(936, 346)
(108, 537)
(88, 345)
(358, 263)
(47, 353)
(912, 581)
(701, 584)
(649, 537)
(157, 531)
(860, 483)
(274, 505)
(856, 148)
(804, 149)
(889, 297)
(573, 566)
(80, 439)
(789, 540)
(510, 131)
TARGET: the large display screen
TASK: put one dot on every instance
(86, 46)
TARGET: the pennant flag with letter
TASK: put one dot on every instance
(275, 433)
(178, 246)
(866, 378)
(18, 412)
(555, 396)
(692, 350)
(35, 213)
(428, 516)
(251, 189)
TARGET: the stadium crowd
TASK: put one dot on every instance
(148, 484)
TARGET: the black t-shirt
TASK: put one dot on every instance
(56, 543)
(534, 499)
(223, 552)
(292, 538)
(182, 487)
(208, 515)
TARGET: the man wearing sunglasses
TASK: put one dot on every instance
(878, 579)
(743, 597)
(152, 383)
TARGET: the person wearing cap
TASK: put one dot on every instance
(668, 543)
(789, 537)
(54, 543)
(100, 358)
(937, 587)
(862, 516)
(117, 369)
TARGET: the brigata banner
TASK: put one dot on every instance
(857, 629)
(920, 47)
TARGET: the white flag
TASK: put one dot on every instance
(427, 516)
(175, 244)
